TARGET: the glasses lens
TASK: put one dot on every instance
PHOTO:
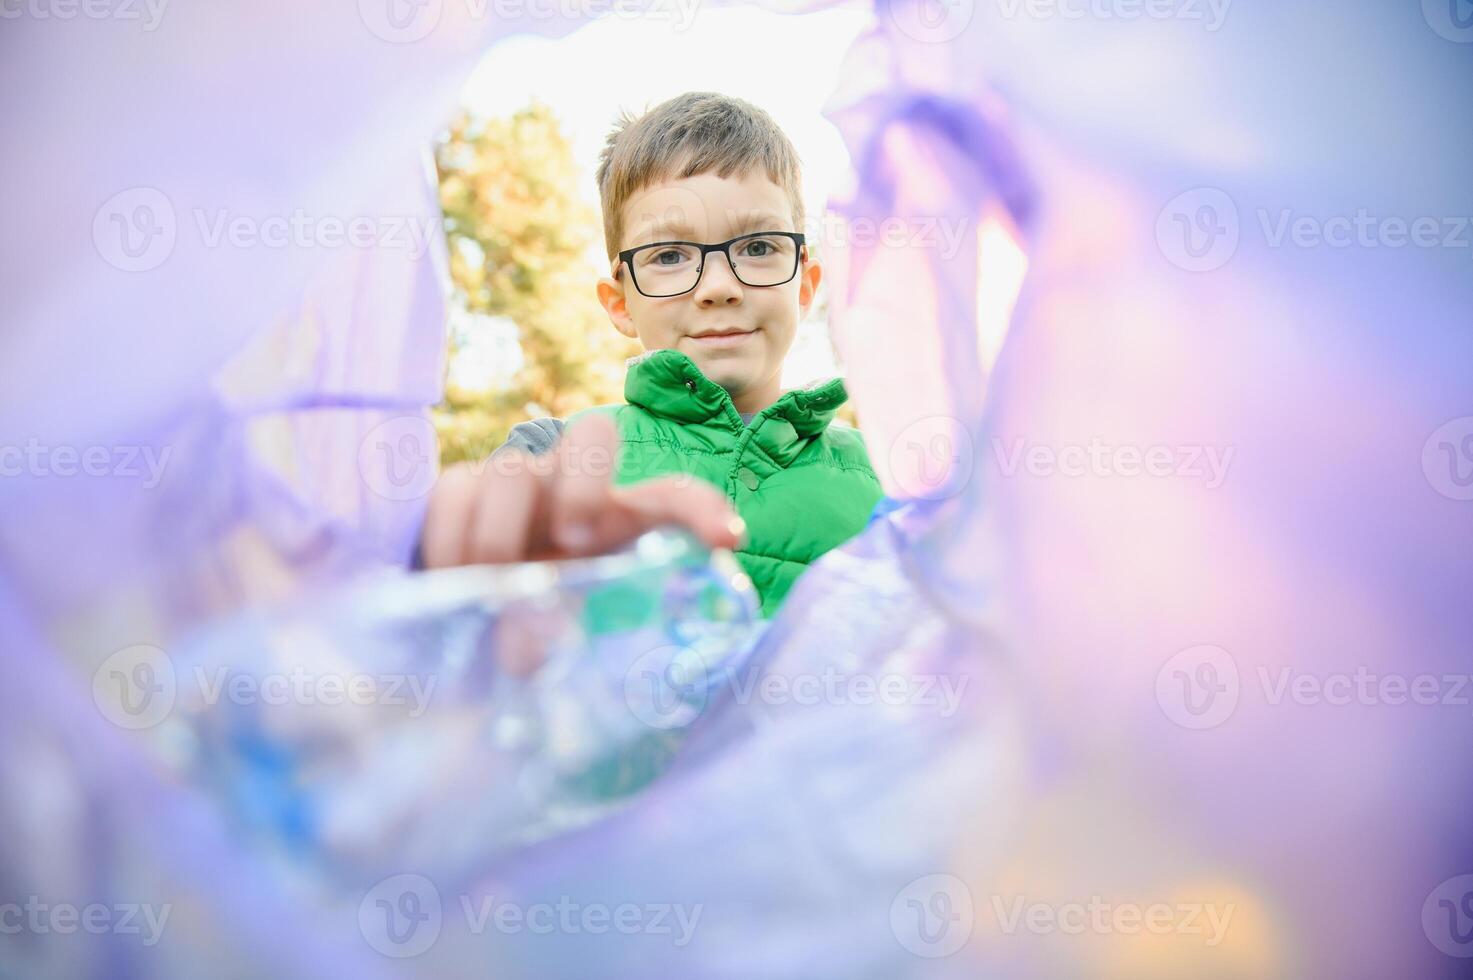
(764, 260)
(665, 270)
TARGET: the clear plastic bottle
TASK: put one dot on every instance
(436, 720)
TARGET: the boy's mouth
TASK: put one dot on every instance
(722, 338)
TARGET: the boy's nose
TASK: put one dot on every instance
(718, 282)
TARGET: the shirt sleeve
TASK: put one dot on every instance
(535, 437)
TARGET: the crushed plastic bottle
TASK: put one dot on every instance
(437, 720)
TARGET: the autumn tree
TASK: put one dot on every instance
(522, 242)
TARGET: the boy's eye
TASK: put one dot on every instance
(758, 247)
(667, 257)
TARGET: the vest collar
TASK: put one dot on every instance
(667, 383)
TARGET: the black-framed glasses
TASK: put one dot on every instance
(664, 269)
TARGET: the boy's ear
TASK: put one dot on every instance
(808, 279)
(611, 298)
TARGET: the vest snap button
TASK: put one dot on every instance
(690, 384)
(748, 478)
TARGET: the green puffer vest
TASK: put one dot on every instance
(803, 485)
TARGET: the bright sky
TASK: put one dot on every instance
(786, 65)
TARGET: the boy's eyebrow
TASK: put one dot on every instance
(680, 230)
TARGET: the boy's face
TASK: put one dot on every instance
(736, 334)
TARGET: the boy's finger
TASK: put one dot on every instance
(584, 473)
(694, 504)
(442, 542)
(502, 521)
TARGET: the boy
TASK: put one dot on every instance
(701, 204)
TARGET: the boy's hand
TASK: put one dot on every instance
(529, 508)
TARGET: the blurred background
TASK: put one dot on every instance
(1171, 585)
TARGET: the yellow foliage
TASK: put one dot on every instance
(520, 236)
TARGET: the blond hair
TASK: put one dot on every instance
(694, 133)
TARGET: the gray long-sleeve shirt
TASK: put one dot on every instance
(536, 437)
(540, 435)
